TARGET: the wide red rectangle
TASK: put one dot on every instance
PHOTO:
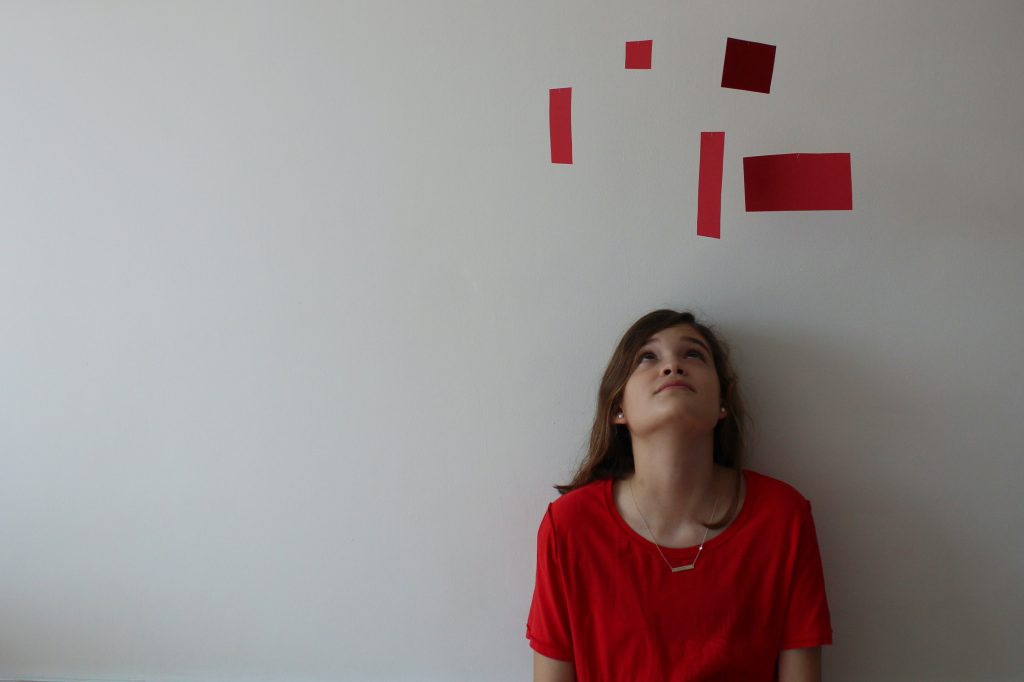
(798, 182)
(709, 185)
(560, 120)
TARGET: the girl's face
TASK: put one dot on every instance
(676, 354)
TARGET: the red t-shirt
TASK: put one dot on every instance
(605, 599)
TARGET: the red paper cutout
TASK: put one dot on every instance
(748, 65)
(709, 185)
(638, 54)
(798, 182)
(560, 121)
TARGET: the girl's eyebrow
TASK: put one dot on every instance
(685, 338)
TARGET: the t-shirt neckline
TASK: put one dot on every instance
(681, 552)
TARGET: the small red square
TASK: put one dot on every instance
(748, 66)
(638, 54)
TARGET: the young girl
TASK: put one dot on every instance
(664, 560)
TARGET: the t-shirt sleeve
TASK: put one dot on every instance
(808, 622)
(547, 627)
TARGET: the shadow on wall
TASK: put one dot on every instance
(922, 579)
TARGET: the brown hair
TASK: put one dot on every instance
(611, 451)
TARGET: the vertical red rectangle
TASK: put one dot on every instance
(798, 182)
(709, 185)
(748, 65)
(638, 54)
(560, 120)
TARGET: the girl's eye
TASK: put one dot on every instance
(645, 354)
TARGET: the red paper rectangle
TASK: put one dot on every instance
(748, 65)
(709, 185)
(638, 54)
(798, 182)
(560, 121)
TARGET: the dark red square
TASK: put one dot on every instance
(638, 54)
(748, 66)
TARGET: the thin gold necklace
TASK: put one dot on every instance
(675, 569)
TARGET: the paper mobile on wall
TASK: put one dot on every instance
(779, 182)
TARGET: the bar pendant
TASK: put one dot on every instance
(682, 568)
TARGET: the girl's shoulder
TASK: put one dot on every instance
(774, 493)
(587, 500)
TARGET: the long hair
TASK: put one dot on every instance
(610, 454)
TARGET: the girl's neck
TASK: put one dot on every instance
(674, 484)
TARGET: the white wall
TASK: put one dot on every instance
(300, 324)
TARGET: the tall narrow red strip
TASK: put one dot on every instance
(709, 185)
(798, 182)
(560, 121)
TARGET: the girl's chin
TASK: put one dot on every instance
(681, 420)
